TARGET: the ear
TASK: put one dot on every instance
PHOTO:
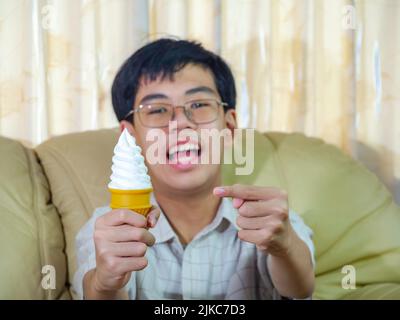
(127, 125)
(230, 119)
(131, 129)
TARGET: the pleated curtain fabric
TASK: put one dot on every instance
(329, 69)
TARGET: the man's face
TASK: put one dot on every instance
(190, 83)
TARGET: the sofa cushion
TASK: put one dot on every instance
(338, 198)
(31, 236)
(380, 291)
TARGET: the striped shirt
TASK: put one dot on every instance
(216, 264)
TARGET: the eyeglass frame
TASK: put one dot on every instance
(138, 108)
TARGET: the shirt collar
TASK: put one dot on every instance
(164, 232)
(228, 211)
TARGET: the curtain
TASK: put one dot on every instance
(326, 68)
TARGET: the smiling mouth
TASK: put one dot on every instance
(184, 153)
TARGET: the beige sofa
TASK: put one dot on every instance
(48, 193)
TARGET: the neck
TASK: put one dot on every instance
(188, 213)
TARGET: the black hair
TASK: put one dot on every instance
(165, 57)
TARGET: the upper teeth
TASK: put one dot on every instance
(183, 147)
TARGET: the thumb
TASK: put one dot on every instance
(153, 216)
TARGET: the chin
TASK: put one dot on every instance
(193, 179)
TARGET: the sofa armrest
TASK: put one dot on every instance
(31, 235)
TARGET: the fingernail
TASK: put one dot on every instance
(219, 191)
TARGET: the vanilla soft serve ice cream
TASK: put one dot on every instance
(129, 171)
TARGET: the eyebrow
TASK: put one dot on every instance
(153, 96)
(201, 89)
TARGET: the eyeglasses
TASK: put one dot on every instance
(159, 114)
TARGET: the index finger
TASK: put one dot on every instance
(124, 216)
(247, 192)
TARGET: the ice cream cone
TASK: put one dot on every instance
(136, 200)
(130, 184)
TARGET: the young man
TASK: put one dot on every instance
(210, 241)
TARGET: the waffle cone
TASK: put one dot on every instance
(136, 200)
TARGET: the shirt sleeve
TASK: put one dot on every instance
(303, 231)
(85, 251)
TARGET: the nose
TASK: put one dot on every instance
(182, 119)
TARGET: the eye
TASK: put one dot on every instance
(199, 104)
(157, 110)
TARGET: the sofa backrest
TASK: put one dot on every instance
(32, 263)
(353, 216)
